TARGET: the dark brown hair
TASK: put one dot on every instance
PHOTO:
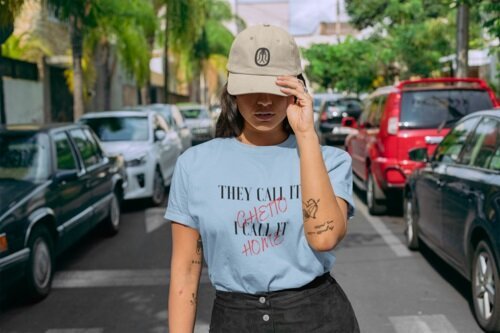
(230, 122)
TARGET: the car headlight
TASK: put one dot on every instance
(136, 161)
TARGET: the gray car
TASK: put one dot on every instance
(199, 121)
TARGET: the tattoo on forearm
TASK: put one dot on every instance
(194, 299)
(309, 209)
(199, 246)
(321, 228)
(196, 262)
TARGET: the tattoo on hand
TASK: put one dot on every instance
(194, 299)
(321, 228)
(309, 209)
(199, 246)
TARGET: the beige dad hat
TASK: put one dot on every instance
(259, 55)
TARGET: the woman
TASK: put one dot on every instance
(263, 204)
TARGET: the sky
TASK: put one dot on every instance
(305, 15)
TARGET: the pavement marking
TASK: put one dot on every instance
(154, 219)
(422, 324)
(115, 278)
(75, 330)
(389, 238)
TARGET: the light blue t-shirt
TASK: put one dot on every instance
(246, 203)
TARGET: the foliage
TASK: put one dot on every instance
(347, 66)
(27, 47)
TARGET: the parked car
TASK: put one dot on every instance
(331, 114)
(401, 117)
(453, 205)
(318, 101)
(56, 184)
(175, 120)
(199, 121)
(149, 146)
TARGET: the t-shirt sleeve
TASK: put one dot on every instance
(339, 167)
(178, 198)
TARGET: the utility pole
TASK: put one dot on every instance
(337, 22)
(462, 39)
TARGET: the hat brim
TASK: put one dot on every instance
(240, 84)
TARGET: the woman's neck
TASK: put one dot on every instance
(259, 138)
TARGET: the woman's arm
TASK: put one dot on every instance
(185, 270)
(325, 214)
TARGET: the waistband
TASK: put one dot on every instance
(322, 280)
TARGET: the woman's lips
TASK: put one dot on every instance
(264, 116)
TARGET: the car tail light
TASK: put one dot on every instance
(3, 243)
(395, 176)
(392, 126)
(323, 117)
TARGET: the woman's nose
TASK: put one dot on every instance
(264, 100)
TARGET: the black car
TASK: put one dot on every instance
(332, 112)
(453, 205)
(56, 184)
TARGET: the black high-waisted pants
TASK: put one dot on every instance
(320, 307)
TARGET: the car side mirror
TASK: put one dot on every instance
(66, 176)
(160, 135)
(419, 155)
(349, 122)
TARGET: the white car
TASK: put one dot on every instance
(175, 120)
(150, 149)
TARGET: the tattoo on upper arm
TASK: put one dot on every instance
(309, 209)
(194, 299)
(199, 246)
(321, 228)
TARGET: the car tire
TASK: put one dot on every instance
(40, 266)
(374, 205)
(411, 231)
(485, 285)
(112, 221)
(158, 189)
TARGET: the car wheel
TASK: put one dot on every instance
(374, 207)
(484, 283)
(112, 222)
(158, 189)
(40, 267)
(411, 231)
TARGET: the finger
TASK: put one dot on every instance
(294, 92)
(290, 82)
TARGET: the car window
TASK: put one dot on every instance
(119, 128)
(65, 158)
(363, 118)
(495, 160)
(375, 111)
(160, 124)
(449, 149)
(24, 156)
(435, 108)
(194, 113)
(85, 148)
(481, 148)
(95, 145)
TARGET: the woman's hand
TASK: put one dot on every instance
(299, 113)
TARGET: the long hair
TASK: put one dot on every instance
(230, 122)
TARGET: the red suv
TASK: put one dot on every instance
(398, 118)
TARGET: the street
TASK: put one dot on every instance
(121, 284)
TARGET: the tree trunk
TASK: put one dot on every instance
(166, 73)
(77, 48)
(110, 73)
(3, 114)
(462, 40)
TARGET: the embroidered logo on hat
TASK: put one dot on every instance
(262, 57)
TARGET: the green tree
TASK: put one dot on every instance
(348, 66)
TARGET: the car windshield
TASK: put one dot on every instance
(194, 113)
(346, 104)
(24, 156)
(436, 108)
(119, 128)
